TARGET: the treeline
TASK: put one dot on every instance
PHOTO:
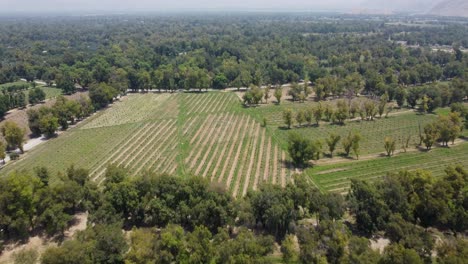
(195, 52)
(189, 220)
(14, 96)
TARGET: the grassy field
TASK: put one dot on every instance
(50, 92)
(209, 135)
(337, 177)
(398, 125)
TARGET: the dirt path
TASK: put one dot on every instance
(218, 148)
(229, 154)
(156, 142)
(208, 151)
(160, 149)
(148, 141)
(259, 163)
(238, 152)
(267, 161)
(40, 243)
(208, 137)
(251, 163)
(283, 169)
(275, 165)
(243, 162)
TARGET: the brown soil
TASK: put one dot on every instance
(223, 150)
(238, 152)
(259, 163)
(251, 163)
(41, 243)
(212, 143)
(20, 117)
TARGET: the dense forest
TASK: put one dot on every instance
(158, 218)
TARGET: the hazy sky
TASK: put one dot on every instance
(163, 5)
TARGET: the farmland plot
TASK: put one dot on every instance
(398, 126)
(204, 134)
(234, 150)
(337, 177)
(137, 108)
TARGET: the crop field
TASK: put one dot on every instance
(337, 177)
(204, 134)
(211, 135)
(397, 125)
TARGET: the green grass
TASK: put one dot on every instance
(373, 133)
(337, 177)
(51, 92)
(3, 86)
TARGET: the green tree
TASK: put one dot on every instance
(288, 117)
(101, 95)
(288, 248)
(278, 94)
(2, 151)
(48, 125)
(389, 145)
(318, 113)
(36, 95)
(301, 149)
(342, 111)
(300, 117)
(332, 142)
(14, 135)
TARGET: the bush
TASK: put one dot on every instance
(14, 156)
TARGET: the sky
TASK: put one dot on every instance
(33, 6)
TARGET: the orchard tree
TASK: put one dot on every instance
(342, 111)
(300, 117)
(278, 94)
(390, 145)
(288, 117)
(267, 94)
(308, 115)
(431, 134)
(318, 113)
(332, 142)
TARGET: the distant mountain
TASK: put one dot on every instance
(450, 8)
(415, 6)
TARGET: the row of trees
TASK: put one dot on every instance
(302, 149)
(445, 129)
(46, 120)
(14, 96)
(172, 57)
(31, 202)
(366, 109)
(189, 220)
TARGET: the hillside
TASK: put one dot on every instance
(417, 6)
(451, 8)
